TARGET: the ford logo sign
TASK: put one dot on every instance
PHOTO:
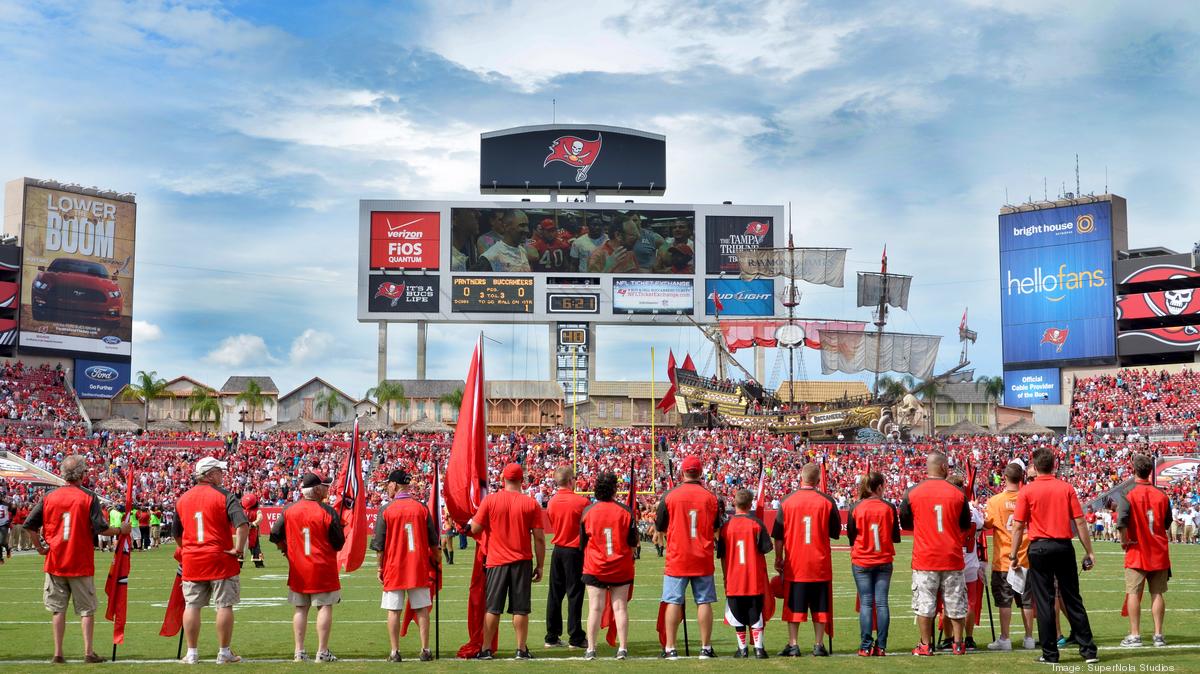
(101, 373)
(111, 339)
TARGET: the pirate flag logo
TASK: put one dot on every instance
(575, 151)
(1163, 303)
(391, 291)
(1055, 336)
(757, 228)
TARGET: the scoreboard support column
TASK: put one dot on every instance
(422, 334)
(553, 350)
(381, 363)
(591, 371)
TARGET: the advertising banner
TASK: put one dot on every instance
(404, 294)
(1056, 284)
(728, 235)
(740, 298)
(1023, 388)
(648, 296)
(77, 276)
(8, 294)
(572, 159)
(401, 240)
(100, 379)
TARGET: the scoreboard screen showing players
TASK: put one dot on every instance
(508, 294)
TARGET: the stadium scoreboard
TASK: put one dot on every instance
(616, 263)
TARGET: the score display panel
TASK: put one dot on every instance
(550, 290)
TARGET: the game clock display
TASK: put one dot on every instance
(572, 303)
(492, 294)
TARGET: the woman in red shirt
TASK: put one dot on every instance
(873, 527)
(608, 534)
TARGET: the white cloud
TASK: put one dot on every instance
(239, 350)
(310, 344)
(145, 331)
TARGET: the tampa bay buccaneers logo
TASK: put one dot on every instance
(577, 152)
(757, 228)
(1055, 336)
(1163, 303)
(391, 291)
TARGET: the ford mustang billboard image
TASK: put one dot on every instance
(77, 272)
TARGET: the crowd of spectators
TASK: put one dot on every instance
(35, 402)
(1137, 402)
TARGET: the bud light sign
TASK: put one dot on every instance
(100, 379)
(740, 298)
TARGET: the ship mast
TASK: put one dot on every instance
(790, 301)
(880, 319)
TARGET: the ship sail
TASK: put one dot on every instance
(852, 352)
(822, 266)
(893, 288)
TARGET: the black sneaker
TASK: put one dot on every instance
(394, 656)
(589, 655)
(819, 651)
(581, 645)
(970, 643)
(523, 654)
(1043, 661)
(707, 653)
(426, 655)
(760, 653)
(790, 651)
(946, 644)
(484, 654)
(741, 653)
(669, 654)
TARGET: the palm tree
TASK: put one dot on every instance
(993, 390)
(204, 404)
(331, 402)
(892, 387)
(147, 385)
(454, 400)
(386, 393)
(252, 400)
(928, 391)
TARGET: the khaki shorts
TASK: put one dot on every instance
(299, 599)
(1135, 578)
(925, 587)
(59, 589)
(418, 597)
(224, 593)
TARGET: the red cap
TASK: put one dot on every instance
(513, 473)
(548, 224)
(692, 464)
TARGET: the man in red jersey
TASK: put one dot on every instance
(67, 518)
(553, 254)
(1142, 516)
(1047, 508)
(608, 535)
(309, 533)
(509, 517)
(689, 518)
(406, 540)
(210, 529)
(937, 513)
(566, 562)
(804, 524)
(873, 527)
(742, 549)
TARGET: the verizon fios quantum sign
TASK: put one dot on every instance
(405, 240)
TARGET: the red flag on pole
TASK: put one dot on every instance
(687, 363)
(716, 299)
(117, 586)
(352, 507)
(173, 618)
(477, 606)
(883, 262)
(466, 472)
(667, 403)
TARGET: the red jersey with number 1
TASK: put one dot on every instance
(744, 542)
(687, 514)
(1145, 514)
(405, 535)
(938, 514)
(805, 523)
(312, 534)
(68, 517)
(205, 519)
(874, 528)
(608, 530)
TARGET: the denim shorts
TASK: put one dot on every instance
(704, 590)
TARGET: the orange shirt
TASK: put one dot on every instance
(565, 510)
(1047, 507)
(999, 517)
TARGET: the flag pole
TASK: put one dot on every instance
(653, 439)
(574, 409)
(179, 648)
(437, 598)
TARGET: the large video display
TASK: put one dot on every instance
(566, 241)
(1056, 284)
(77, 273)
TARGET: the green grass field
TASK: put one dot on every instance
(263, 631)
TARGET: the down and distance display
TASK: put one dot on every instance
(491, 294)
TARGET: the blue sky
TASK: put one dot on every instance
(250, 130)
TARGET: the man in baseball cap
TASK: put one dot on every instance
(689, 518)
(406, 540)
(510, 516)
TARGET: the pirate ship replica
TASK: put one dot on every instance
(844, 346)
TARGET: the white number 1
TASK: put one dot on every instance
(199, 527)
(66, 526)
(608, 548)
(1150, 520)
(741, 547)
(307, 542)
(408, 532)
(807, 530)
(692, 523)
(938, 510)
(875, 535)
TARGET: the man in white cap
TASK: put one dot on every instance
(211, 530)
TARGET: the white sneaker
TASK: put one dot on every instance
(300, 657)
(1132, 641)
(231, 658)
(1000, 644)
(326, 656)
(190, 659)
(1159, 641)
(1029, 644)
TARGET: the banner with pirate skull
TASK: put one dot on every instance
(408, 294)
(1174, 304)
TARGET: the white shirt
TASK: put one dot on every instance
(507, 258)
(582, 247)
(971, 563)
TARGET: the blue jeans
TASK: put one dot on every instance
(873, 583)
(704, 590)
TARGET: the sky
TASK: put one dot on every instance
(249, 131)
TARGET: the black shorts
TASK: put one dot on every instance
(510, 583)
(592, 581)
(808, 597)
(746, 609)
(1004, 594)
